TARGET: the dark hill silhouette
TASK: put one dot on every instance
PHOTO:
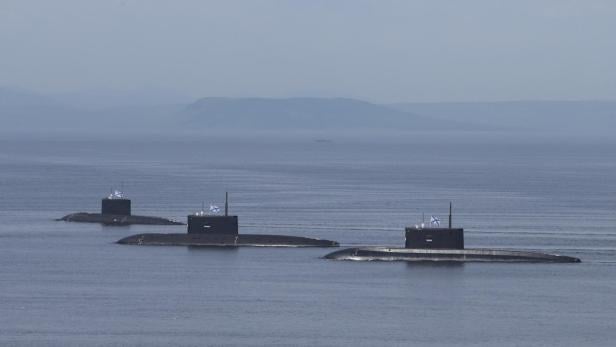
(302, 113)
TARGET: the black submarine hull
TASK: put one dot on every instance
(446, 255)
(225, 240)
(113, 219)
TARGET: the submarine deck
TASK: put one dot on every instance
(446, 255)
(112, 219)
(225, 240)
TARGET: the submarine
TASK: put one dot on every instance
(212, 230)
(436, 244)
(116, 210)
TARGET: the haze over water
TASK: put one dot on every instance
(346, 120)
(69, 284)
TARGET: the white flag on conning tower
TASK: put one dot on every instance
(435, 221)
(116, 194)
(214, 209)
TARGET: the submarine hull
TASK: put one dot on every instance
(446, 255)
(113, 219)
(225, 240)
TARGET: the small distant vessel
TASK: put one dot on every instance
(116, 210)
(436, 244)
(213, 230)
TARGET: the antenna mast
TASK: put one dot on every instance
(226, 204)
(450, 214)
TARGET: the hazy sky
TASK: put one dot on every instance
(383, 51)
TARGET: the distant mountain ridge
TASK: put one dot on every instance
(302, 113)
(24, 102)
(556, 116)
(23, 111)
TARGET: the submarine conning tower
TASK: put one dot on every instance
(201, 223)
(437, 238)
(116, 204)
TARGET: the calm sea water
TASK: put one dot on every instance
(69, 284)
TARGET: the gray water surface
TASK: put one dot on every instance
(69, 284)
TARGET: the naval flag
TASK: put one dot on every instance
(214, 209)
(435, 221)
(116, 194)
